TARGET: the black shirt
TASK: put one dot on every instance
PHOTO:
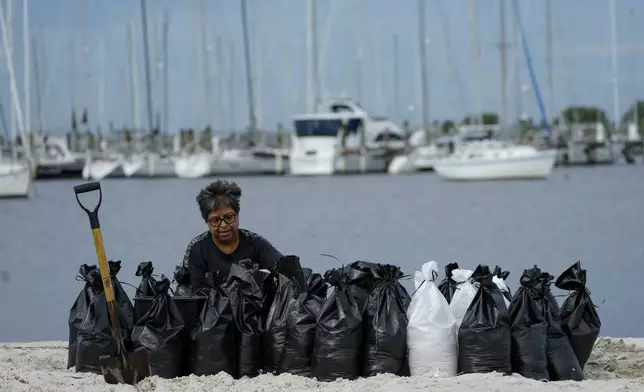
(202, 255)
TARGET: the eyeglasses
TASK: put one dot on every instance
(228, 218)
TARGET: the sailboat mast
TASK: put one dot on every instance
(101, 84)
(504, 64)
(475, 61)
(396, 80)
(166, 102)
(258, 69)
(27, 73)
(310, 57)
(549, 59)
(146, 58)
(9, 50)
(518, 88)
(134, 83)
(249, 73)
(219, 74)
(37, 79)
(614, 65)
(317, 85)
(205, 50)
(231, 66)
(424, 88)
(13, 88)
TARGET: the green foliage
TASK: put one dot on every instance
(629, 115)
(447, 126)
(487, 118)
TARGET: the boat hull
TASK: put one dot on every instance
(193, 166)
(249, 165)
(15, 179)
(330, 164)
(99, 169)
(538, 166)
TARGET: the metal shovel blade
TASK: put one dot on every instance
(130, 370)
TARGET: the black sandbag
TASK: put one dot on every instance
(245, 288)
(214, 337)
(339, 333)
(301, 325)
(502, 274)
(276, 323)
(579, 317)
(182, 277)
(290, 267)
(146, 287)
(361, 274)
(484, 337)
(95, 336)
(448, 286)
(562, 361)
(92, 278)
(385, 323)
(122, 299)
(529, 329)
(159, 331)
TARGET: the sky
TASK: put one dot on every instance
(356, 51)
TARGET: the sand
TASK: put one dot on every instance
(616, 365)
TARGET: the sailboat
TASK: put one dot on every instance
(496, 160)
(15, 173)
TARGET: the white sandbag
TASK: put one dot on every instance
(500, 283)
(431, 331)
(465, 292)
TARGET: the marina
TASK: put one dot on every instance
(335, 133)
(378, 141)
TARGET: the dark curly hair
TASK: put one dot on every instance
(218, 194)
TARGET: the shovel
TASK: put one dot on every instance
(124, 367)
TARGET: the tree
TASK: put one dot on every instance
(447, 127)
(585, 115)
(629, 115)
(487, 118)
(526, 125)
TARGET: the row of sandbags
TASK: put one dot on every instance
(467, 325)
(230, 327)
(89, 325)
(253, 321)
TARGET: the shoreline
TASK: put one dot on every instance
(616, 364)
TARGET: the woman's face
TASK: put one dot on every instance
(223, 225)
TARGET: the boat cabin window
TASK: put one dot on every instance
(320, 127)
(317, 127)
(341, 108)
(387, 135)
(353, 125)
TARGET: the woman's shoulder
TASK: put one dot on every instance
(198, 239)
(195, 243)
(252, 238)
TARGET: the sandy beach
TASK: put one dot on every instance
(616, 365)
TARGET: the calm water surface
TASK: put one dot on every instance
(590, 214)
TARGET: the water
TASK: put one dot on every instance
(590, 214)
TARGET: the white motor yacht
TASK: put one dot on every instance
(54, 159)
(318, 148)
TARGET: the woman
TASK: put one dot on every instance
(225, 243)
